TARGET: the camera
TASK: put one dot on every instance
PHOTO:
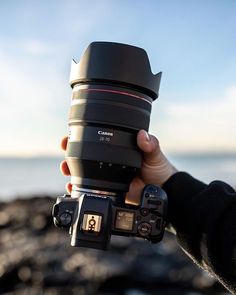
(91, 218)
(113, 89)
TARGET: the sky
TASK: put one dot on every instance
(192, 42)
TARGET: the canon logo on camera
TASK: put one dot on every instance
(105, 133)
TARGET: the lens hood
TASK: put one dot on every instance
(116, 64)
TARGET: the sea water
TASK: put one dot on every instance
(26, 177)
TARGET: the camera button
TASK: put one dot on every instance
(65, 219)
(144, 229)
(144, 211)
(154, 201)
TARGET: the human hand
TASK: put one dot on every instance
(156, 168)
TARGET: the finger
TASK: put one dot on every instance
(135, 191)
(64, 168)
(69, 187)
(64, 142)
(150, 147)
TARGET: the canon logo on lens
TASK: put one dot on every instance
(105, 133)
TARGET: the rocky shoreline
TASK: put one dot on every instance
(36, 258)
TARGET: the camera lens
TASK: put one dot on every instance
(112, 93)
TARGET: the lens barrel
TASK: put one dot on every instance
(112, 93)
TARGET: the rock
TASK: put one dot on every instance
(36, 258)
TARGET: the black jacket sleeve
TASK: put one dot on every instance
(204, 219)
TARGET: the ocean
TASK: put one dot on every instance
(26, 177)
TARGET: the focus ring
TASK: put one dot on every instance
(109, 114)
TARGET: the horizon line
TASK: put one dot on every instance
(168, 153)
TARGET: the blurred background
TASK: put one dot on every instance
(194, 44)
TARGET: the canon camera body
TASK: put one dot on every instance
(91, 219)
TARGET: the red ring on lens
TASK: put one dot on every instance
(116, 92)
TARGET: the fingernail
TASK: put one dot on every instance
(147, 136)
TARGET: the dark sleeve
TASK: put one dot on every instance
(204, 218)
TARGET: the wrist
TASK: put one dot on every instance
(165, 170)
(160, 171)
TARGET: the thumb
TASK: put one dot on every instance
(150, 147)
(156, 168)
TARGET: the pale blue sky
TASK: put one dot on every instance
(192, 42)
